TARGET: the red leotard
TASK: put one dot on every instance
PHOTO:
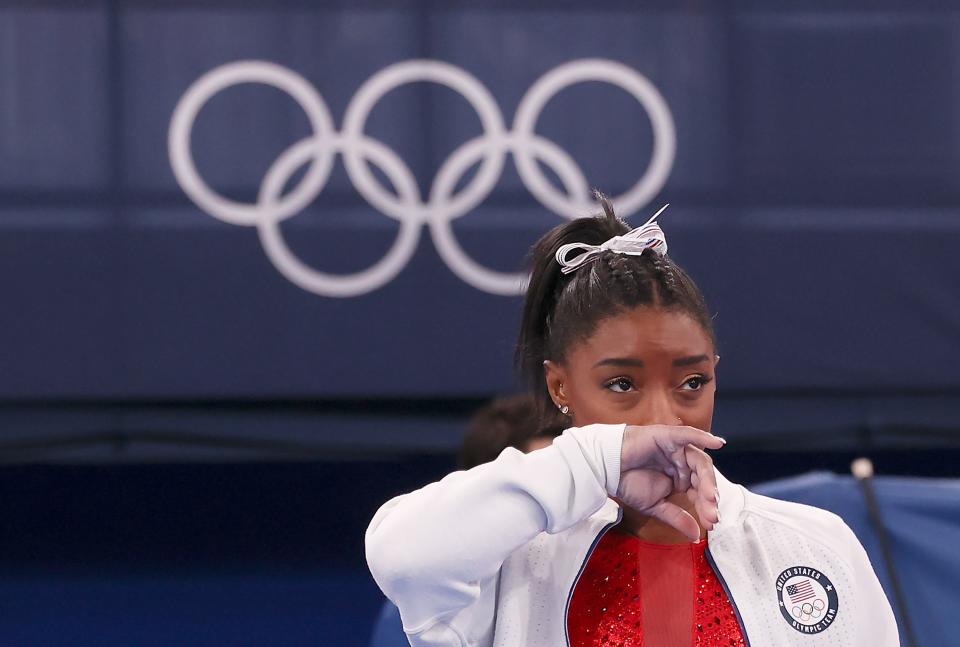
(633, 593)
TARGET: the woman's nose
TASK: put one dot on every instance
(657, 409)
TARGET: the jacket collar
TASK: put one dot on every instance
(732, 501)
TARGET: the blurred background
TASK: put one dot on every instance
(259, 269)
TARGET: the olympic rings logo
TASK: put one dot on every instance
(809, 611)
(443, 203)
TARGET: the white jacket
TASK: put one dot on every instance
(490, 556)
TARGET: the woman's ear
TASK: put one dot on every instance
(556, 376)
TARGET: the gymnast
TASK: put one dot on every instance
(621, 531)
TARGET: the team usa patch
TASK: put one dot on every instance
(808, 599)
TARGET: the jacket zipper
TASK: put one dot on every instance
(593, 546)
(726, 589)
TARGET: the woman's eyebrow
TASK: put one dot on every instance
(690, 360)
(619, 361)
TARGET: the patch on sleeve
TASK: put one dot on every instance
(808, 600)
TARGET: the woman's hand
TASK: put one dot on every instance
(659, 460)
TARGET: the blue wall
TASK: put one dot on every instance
(813, 191)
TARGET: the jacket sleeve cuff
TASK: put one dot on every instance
(601, 445)
(611, 446)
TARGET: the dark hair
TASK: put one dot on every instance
(561, 309)
(510, 421)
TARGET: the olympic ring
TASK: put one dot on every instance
(444, 204)
(808, 611)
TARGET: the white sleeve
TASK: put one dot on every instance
(432, 550)
(879, 625)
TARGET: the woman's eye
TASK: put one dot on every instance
(620, 385)
(695, 383)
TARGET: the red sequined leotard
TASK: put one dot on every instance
(636, 594)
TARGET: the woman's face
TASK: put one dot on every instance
(644, 366)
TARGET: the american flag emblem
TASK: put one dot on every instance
(802, 590)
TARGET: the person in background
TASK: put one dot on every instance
(508, 421)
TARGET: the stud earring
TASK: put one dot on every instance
(565, 410)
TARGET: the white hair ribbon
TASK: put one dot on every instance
(634, 242)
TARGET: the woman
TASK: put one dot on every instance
(621, 532)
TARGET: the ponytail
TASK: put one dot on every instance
(547, 284)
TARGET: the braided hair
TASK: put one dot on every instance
(562, 309)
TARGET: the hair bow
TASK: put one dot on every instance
(634, 242)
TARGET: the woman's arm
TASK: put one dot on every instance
(434, 551)
(429, 550)
(878, 626)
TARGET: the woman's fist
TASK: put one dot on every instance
(659, 460)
